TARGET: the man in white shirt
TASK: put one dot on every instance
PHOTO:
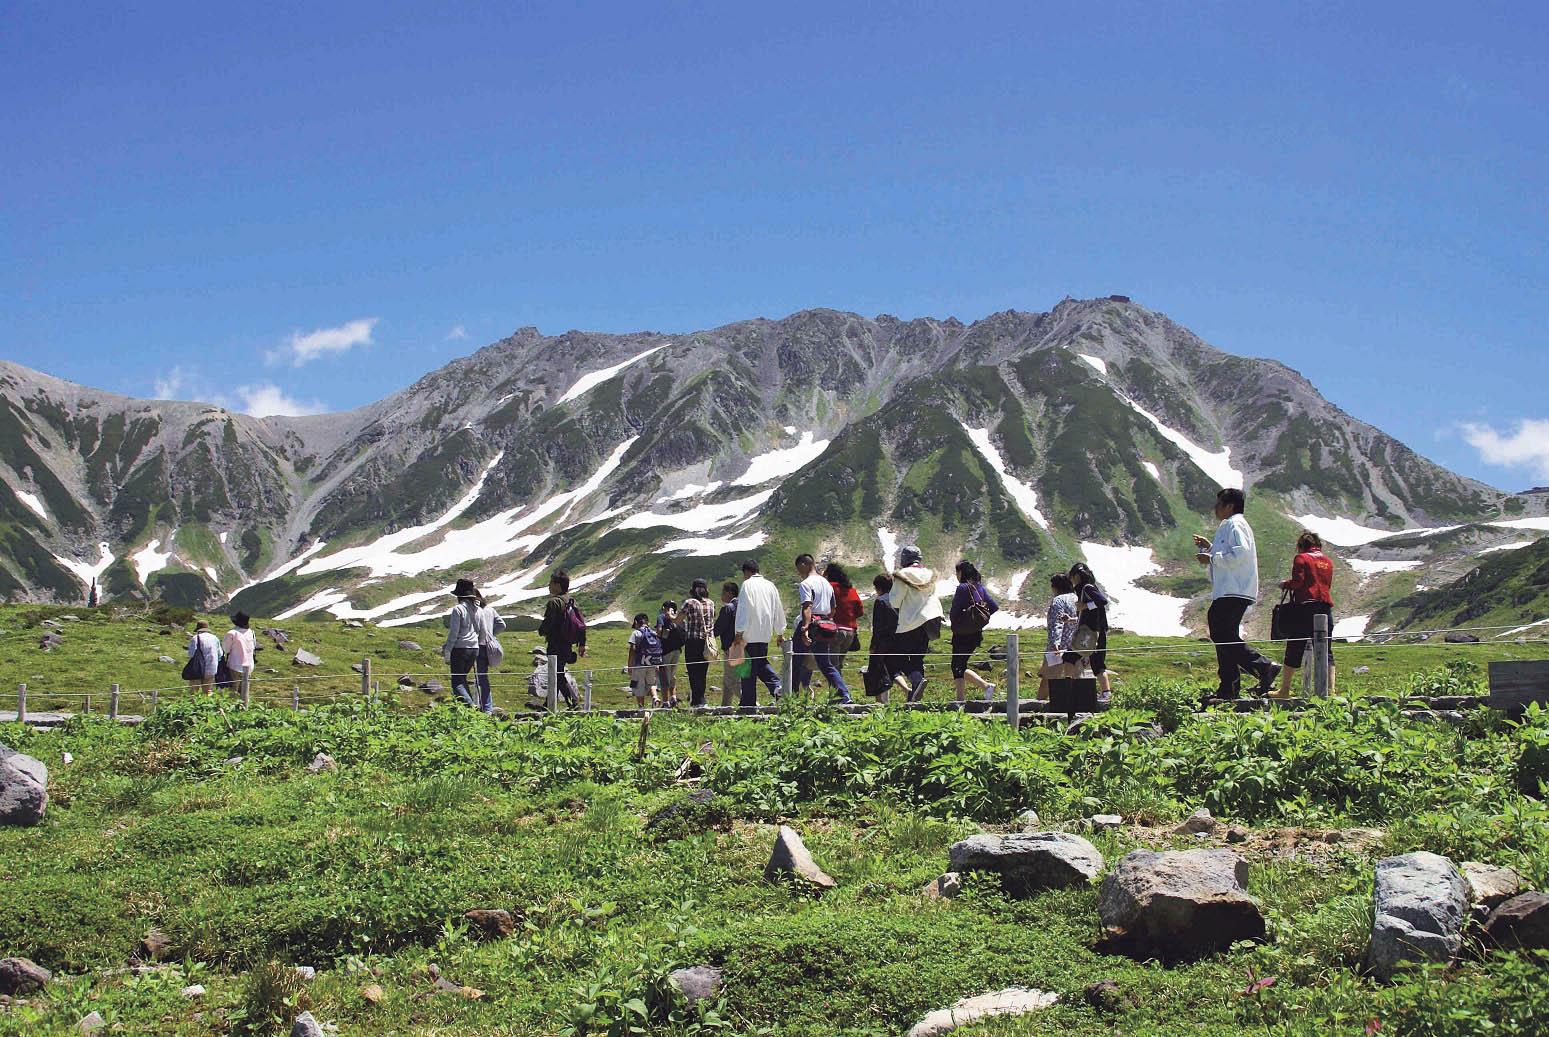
(816, 595)
(760, 619)
(1233, 561)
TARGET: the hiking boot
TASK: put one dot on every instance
(1269, 677)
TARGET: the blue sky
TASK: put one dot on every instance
(1361, 191)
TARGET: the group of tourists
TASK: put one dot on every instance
(220, 663)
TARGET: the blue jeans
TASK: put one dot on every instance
(486, 700)
(758, 655)
(463, 660)
(823, 662)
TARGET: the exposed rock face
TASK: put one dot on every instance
(698, 982)
(23, 788)
(790, 857)
(1489, 887)
(1420, 904)
(1178, 905)
(1521, 922)
(21, 976)
(1031, 861)
(971, 1010)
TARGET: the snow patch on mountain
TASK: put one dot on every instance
(1215, 463)
(214, 576)
(1349, 533)
(1541, 523)
(705, 547)
(1352, 628)
(705, 516)
(1132, 607)
(778, 463)
(321, 600)
(1515, 546)
(1368, 569)
(691, 490)
(290, 566)
(32, 501)
(1005, 620)
(150, 560)
(1155, 472)
(587, 382)
(86, 572)
(1025, 496)
(889, 542)
(1014, 589)
(1098, 364)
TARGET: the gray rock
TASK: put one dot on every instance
(944, 887)
(1104, 822)
(1520, 923)
(52, 624)
(1489, 887)
(1455, 638)
(71, 619)
(1028, 821)
(358, 667)
(305, 658)
(193, 990)
(306, 973)
(1179, 905)
(1420, 903)
(971, 1010)
(23, 788)
(1363, 669)
(491, 923)
(1029, 861)
(322, 762)
(790, 857)
(166, 659)
(698, 982)
(410, 646)
(91, 1023)
(306, 1026)
(405, 681)
(22, 976)
(1198, 823)
(432, 686)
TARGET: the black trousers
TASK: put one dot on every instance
(1232, 657)
(694, 656)
(1299, 629)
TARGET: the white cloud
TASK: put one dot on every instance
(457, 334)
(169, 385)
(269, 400)
(304, 348)
(1526, 447)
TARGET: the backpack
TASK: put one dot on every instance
(572, 623)
(673, 638)
(651, 647)
(977, 615)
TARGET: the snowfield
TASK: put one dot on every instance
(149, 560)
(781, 462)
(1134, 608)
(588, 382)
(706, 547)
(86, 572)
(703, 517)
(1377, 568)
(1346, 532)
(1025, 496)
(32, 502)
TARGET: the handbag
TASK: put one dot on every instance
(822, 628)
(193, 670)
(977, 615)
(1086, 640)
(223, 675)
(1279, 617)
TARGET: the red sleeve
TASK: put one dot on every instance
(1302, 578)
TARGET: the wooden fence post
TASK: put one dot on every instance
(587, 705)
(788, 664)
(21, 703)
(1013, 680)
(553, 699)
(1320, 655)
(155, 698)
(113, 703)
(295, 696)
(365, 676)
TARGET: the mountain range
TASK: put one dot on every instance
(1099, 430)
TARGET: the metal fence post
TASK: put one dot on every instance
(155, 698)
(295, 696)
(113, 703)
(1013, 680)
(21, 703)
(788, 664)
(365, 676)
(1320, 655)
(586, 707)
(553, 699)
(246, 688)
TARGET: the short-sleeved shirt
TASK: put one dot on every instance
(1062, 609)
(698, 616)
(817, 592)
(638, 641)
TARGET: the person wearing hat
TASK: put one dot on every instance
(204, 658)
(461, 650)
(919, 617)
(240, 647)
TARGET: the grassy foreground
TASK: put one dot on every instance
(254, 865)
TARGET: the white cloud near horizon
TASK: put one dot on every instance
(267, 400)
(169, 385)
(457, 334)
(1526, 446)
(304, 348)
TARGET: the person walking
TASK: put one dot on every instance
(968, 616)
(461, 650)
(562, 628)
(848, 610)
(919, 617)
(1311, 587)
(1233, 560)
(204, 658)
(816, 621)
(760, 618)
(1061, 623)
(241, 648)
(883, 666)
(1089, 642)
(726, 633)
(488, 623)
(698, 616)
(670, 629)
(645, 661)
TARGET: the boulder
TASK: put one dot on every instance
(358, 667)
(279, 637)
(491, 923)
(305, 973)
(1235, 834)
(1029, 861)
(790, 857)
(23, 788)
(48, 642)
(322, 762)
(156, 946)
(306, 1025)
(52, 624)
(1455, 638)
(193, 990)
(1028, 821)
(1103, 823)
(305, 658)
(697, 983)
(22, 976)
(1198, 823)
(1489, 887)
(971, 1010)
(410, 646)
(1420, 904)
(1104, 995)
(1180, 905)
(405, 681)
(944, 887)
(1520, 923)
(91, 1023)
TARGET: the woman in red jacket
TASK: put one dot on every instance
(1311, 586)
(848, 611)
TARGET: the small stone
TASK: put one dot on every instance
(52, 623)
(1489, 887)
(306, 1025)
(1235, 834)
(233, 761)
(71, 619)
(306, 973)
(1104, 996)
(1028, 821)
(491, 923)
(944, 887)
(66, 759)
(322, 762)
(697, 983)
(23, 788)
(358, 667)
(91, 1023)
(432, 687)
(305, 658)
(22, 976)
(1363, 669)
(193, 991)
(410, 646)
(1198, 823)
(372, 993)
(405, 681)
(1104, 822)
(166, 659)
(1520, 923)
(156, 946)
(970, 1010)
(790, 857)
